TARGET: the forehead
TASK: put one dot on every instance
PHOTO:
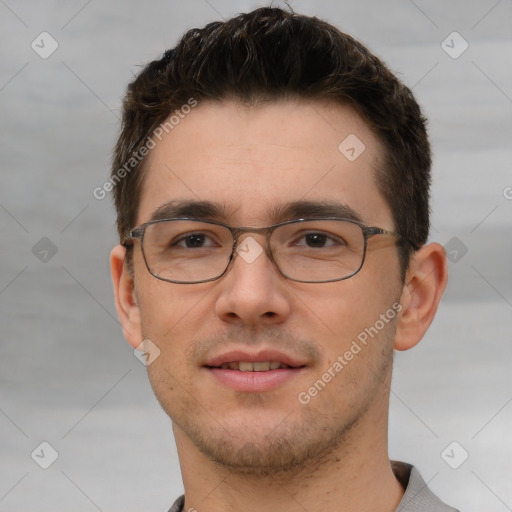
(253, 161)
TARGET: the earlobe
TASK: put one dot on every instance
(126, 301)
(424, 286)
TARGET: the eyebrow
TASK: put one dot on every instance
(209, 210)
(191, 208)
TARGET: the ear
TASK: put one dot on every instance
(126, 302)
(425, 282)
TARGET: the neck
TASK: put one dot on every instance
(354, 476)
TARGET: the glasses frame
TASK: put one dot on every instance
(137, 233)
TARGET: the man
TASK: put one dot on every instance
(271, 182)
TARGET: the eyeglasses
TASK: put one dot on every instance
(319, 250)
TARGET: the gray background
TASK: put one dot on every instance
(67, 375)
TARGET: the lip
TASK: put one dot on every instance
(258, 357)
(254, 381)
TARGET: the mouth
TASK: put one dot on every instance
(254, 366)
(264, 371)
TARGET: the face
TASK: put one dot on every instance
(250, 161)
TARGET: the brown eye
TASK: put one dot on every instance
(193, 240)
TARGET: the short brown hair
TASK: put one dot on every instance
(271, 54)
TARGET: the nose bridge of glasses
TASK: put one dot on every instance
(251, 235)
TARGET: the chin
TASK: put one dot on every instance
(251, 449)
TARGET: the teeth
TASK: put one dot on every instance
(262, 367)
(245, 367)
(248, 366)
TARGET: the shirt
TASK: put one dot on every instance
(417, 497)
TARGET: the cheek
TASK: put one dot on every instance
(171, 315)
(159, 302)
(353, 319)
(169, 319)
(342, 310)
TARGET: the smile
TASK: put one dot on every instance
(249, 366)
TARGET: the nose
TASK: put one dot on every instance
(252, 291)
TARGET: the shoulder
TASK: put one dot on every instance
(417, 497)
(178, 505)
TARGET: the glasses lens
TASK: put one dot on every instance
(186, 251)
(314, 251)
